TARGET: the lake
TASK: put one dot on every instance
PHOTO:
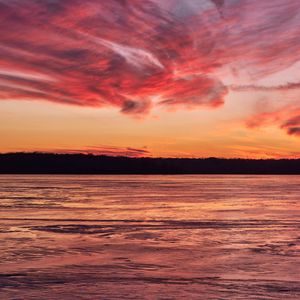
(149, 237)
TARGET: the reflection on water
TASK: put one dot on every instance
(150, 237)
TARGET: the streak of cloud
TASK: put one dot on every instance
(124, 54)
(101, 150)
(287, 118)
(292, 125)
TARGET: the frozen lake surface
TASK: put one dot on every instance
(149, 237)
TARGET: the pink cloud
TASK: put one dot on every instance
(292, 125)
(287, 118)
(125, 54)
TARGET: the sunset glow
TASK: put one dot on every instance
(167, 78)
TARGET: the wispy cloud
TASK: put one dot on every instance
(99, 150)
(287, 118)
(124, 54)
(292, 125)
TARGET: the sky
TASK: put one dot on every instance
(160, 78)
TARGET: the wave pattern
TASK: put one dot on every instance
(149, 237)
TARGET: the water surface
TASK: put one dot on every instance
(149, 237)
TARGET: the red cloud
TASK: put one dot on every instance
(292, 125)
(134, 54)
(287, 118)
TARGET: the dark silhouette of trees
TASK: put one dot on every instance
(46, 163)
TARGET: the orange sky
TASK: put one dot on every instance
(165, 78)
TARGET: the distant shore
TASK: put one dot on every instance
(51, 163)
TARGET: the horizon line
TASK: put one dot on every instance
(141, 157)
